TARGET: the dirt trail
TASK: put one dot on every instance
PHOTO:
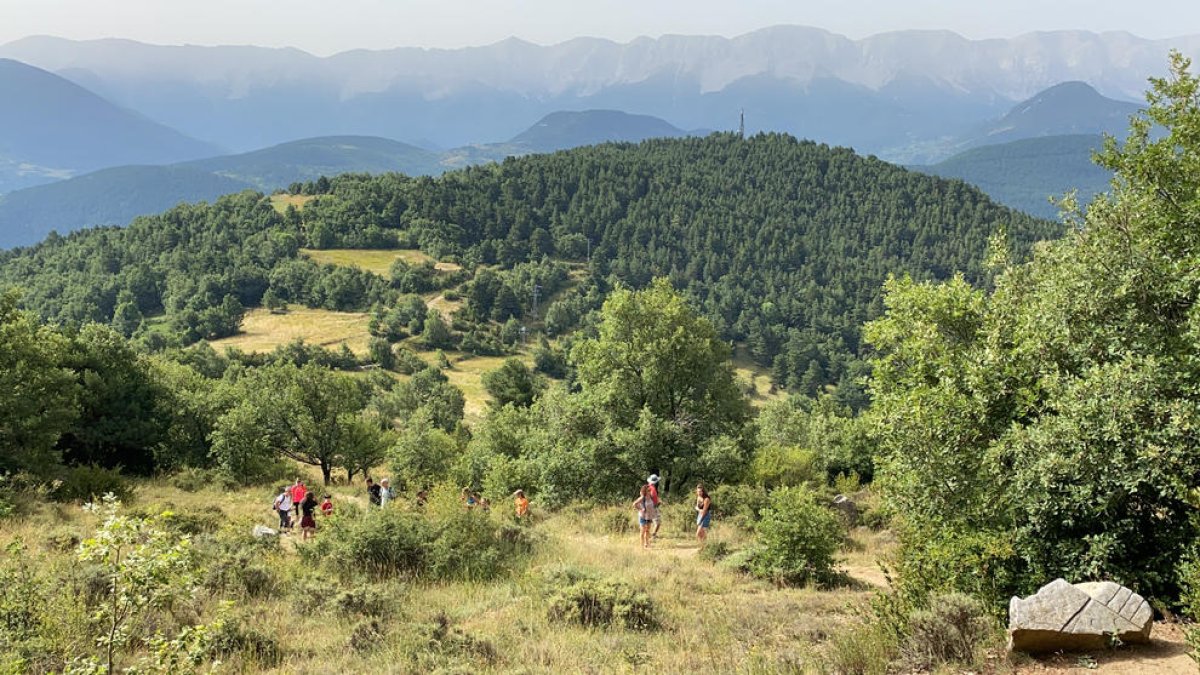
(1166, 655)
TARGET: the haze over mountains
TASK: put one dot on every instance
(931, 100)
(51, 128)
(879, 94)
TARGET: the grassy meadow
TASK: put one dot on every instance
(263, 330)
(710, 618)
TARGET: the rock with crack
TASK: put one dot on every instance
(1085, 616)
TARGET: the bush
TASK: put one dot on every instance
(205, 519)
(366, 635)
(739, 504)
(89, 483)
(589, 601)
(192, 479)
(867, 648)
(714, 551)
(797, 539)
(249, 647)
(951, 631)
(393, 542)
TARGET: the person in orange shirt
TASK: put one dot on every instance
(299, 492)
(522, 503)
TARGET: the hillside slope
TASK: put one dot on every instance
(311, 158)
(570, 129)
(50, 128)
(105, 197)
(1025, 174)
(784, 244)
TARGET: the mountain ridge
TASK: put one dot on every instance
(248, 97)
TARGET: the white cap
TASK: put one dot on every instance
(653, 479)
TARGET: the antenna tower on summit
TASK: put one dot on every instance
(742, 123)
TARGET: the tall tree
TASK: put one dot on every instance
(1047, 428)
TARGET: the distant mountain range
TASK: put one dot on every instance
(115, 196)
(51, 128)
(880, 94)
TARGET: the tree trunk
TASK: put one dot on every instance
(327, 472)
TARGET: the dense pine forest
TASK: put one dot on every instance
(783, 244)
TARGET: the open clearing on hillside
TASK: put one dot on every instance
(263, 331)
(377, 261)
(757, 377)
(282, 201)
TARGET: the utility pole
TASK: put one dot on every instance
(742, 123)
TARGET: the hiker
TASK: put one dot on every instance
(468, 498)
(327, 506)
(703, 513)
(373, 496)
(308, 524)
(652, 483)
(386, 493)
(647, 513)
(283, 507)
(522, 504)
(298, 494)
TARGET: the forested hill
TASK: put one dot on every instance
(784, 243)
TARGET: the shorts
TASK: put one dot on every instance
(704, 521)
(643, 522)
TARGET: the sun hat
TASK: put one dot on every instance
(653, 479)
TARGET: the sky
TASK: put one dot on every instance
(327, 26)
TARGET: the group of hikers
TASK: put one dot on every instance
(650, 517)
(379, 494)
(297, 496)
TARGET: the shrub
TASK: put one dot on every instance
(249, 646)
(797, 539)
(594, 602)
(714, 551)
(739, 504)
(208, 518)
(867, 648)
(394, 542)
(951, 630)
(365, 600)
(786, 466)
(365, 635)
(192, 479)
(90, 483)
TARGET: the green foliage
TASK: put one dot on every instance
(790, 260)
(88, 483)
(1044, 428)
(587, 600)
(423, 452)
(308, 414)
(427, 393)
(513, 383)
(797, 539)
(37, 390)
(145, 567)
(392, 542)
(775, 466)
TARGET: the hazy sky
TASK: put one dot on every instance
(327, 26)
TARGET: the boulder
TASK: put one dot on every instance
(262, 531)
(848, 508)
(1079, 617)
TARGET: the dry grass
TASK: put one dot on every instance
(712, 619)
(377, 261)
(757, 377)
(263, 331)
(282, 201)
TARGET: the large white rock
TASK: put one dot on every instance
(1084, 616)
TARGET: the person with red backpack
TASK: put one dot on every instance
(652, 486)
